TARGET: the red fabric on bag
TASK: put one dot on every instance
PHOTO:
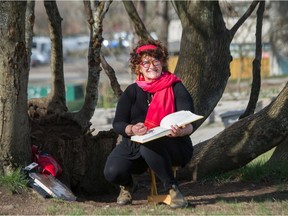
(49, 165)
(47, 162)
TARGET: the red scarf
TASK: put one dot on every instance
(163, 99)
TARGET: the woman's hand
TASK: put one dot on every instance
(181, 131)
(137, 129)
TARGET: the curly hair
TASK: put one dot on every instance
(160, 53)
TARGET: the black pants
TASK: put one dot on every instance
(160, 155)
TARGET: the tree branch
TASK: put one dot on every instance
(57, 96)
(112, 77)
(138, 25)
(256, 84)
(235, 28)
(95, 11)
(29, 23)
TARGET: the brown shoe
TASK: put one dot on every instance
(177, 199)
(125, 195)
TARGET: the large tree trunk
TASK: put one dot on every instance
(204, 57)
(279, 44)
(29, 24)
(205, 48)
(280, 153)
(15, 147)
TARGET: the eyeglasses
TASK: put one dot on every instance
(146, 64)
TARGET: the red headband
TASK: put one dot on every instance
(145, 47)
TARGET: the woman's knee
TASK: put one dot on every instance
(107, 173)
(111, 174)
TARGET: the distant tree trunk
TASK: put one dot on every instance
(138, 25)
(141, 7)
(14, 128)
(163, 21)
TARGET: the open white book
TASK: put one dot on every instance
(179, 118)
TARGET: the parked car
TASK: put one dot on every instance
(41, 48)
(38, 58)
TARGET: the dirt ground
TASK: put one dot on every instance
(207, 198)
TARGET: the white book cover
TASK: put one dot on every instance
(53, 186)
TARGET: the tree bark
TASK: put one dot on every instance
(163, 21)
(138, 25)
(57, 97)
(278, 41)
(256, 83)
(112, 77)
(95, 14)
(204, 58)
(15, 147)
(29, 24)
(67, 136)
(280, 153)
(205, 48)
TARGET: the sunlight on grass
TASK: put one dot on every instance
(222, 206)
(77, 211)
(53, 210)
(262, 209)
(257, 170)
(14, 181)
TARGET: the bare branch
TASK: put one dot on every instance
(111, 74)
(138, 25)
(95, 11)
(256, 84)
(57, 96)
(235, 28)
(29, 23)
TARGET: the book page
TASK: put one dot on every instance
(179, 118)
